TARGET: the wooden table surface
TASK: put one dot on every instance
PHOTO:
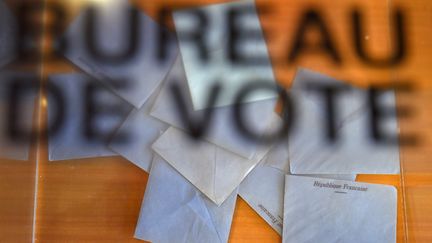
(98, 200)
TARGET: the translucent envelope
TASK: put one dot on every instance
(70, 141)
(12, 147)
(142, 130)
(8, 34)
(322, 210)
(263, 188)
(174, 211)
(142, 70)
(222, 131)
(203, 74)
(216, 172)
(354, 152)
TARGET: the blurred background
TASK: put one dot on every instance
(98, 200)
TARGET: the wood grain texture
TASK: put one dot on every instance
(98, 200)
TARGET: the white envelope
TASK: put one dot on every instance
(174, 211)
(142, 130)
(354, 153)
(143, 72)
(215, 171)
(222, 131)
(8, 34)
(322, 210)
(70, 141)
(263, 188)
(203, 75)
(10, 148)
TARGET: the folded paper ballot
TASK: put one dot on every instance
(174, 211)
(354, 153)
(70, 141)
(215, 171)
(323, 210)
(8, 34)
(142, 72)
(141, 130)
(12, 147)
(203, 74)
(263, 188)
(222, 130)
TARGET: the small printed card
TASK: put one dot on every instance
(323, 210)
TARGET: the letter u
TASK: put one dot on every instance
(128, 51)
(399, 45)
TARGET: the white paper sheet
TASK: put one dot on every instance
(223, 132)
(174, 211)
(70, 141)
(216, 172)
(263, 188)
(142, 130)
(143, 71)
(322, 210)
(203, 75)
(354, 153)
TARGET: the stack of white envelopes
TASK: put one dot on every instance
(193, 183)
(305, 189)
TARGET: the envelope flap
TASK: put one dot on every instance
(222, 215)
(195, 160)
(216, 172)
(200, 208)
(173, 210)
(194, 229)
(230, 172)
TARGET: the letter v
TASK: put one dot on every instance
(195, 126)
